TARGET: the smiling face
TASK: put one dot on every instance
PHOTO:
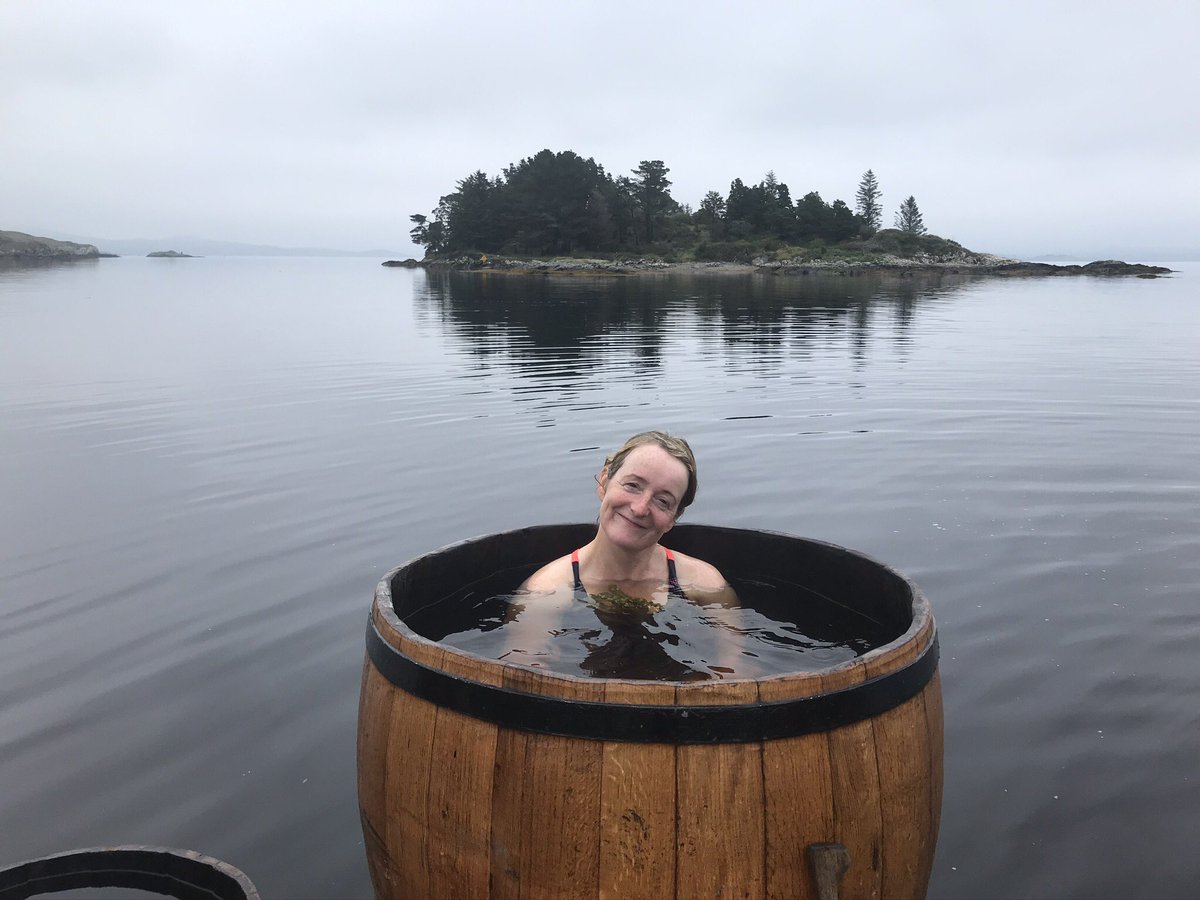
(639, 501)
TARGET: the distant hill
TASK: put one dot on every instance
(19, 245)
(208, 247)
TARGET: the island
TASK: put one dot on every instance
(169, 254)
(562, 213)
(18, 245)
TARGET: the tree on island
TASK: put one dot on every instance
(652, 193)
(563, 204)
(908, 217)
(867, 201)
(712, 214)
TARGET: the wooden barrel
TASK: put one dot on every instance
(481, 779)
(184, 874)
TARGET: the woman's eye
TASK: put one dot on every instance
(632, 486)
(663, 504)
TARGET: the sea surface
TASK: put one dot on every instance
(207, 464)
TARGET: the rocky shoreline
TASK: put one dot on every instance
(966, 264)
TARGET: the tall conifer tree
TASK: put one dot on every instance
(867, 201)
(908, 217)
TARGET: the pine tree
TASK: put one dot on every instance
(867, 201)
(653, 193)
(908, 217)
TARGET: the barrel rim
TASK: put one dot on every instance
(383, 608)
(163, 870)
(654, 723)
(402, 639)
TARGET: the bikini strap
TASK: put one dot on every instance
(575, 571)
(673, 585)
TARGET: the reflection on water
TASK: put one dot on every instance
(205, 468)
(575, 317)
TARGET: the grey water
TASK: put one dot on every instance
(207, 464)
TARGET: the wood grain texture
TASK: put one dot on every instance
(722, 826)
(932, 695)
(798, 785)
(545, 811)
(374, 730)
(856, 816)
(902, 759)
(406, 785)
(462, 760)
(637, 807)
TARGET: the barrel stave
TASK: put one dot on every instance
(720, 801)
(546, 814)
(798, 785)
(902, 758)
(375, 720)
(637, 806)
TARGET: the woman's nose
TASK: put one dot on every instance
(641, 506)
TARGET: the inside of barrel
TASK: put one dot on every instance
(857, 584)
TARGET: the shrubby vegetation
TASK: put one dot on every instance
(560, 204)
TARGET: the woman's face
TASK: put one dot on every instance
(639, 500)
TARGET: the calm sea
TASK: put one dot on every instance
(206, 465)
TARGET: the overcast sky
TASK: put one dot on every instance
(1020, 128)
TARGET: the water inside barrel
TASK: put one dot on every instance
(779, 628)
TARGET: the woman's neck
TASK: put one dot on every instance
(605, 561)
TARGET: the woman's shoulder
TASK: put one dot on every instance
(551, 576)
(698, 574)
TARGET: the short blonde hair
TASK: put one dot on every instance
(675, 446)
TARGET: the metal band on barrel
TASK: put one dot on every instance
(185, 874)
(635, 723)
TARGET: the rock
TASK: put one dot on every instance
(1116, 267)
(18, 245)
(1103, 267)
(409, 263)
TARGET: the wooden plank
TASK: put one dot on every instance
(856, 817)
(721, 831)
(902, 760)
(508, 852)
(798, 785)
(374, 730)
(460, 805)
(545, 809)
(458, 850)
(637, 806)
(902, 752)
(932, 695)
(410, 748)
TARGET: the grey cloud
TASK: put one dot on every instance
(1020, 128)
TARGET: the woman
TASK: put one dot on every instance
(644, 487)
(624, 573)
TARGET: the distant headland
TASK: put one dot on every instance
(18, 245)
(560, 212)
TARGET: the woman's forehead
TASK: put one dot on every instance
(651, 462)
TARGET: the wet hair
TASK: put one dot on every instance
(677, 447)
